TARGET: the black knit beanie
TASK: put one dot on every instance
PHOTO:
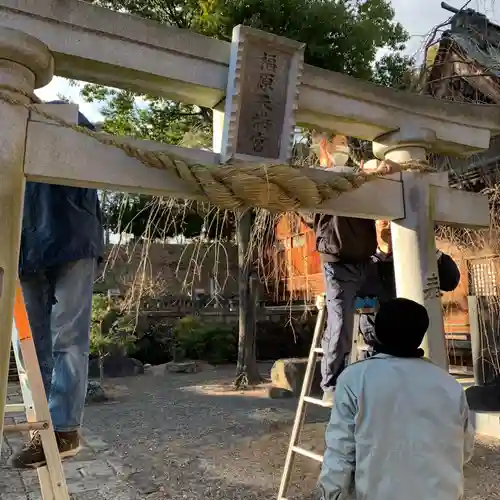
(400, 326)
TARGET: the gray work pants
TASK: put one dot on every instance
(342, 284)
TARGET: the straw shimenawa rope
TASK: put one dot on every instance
(283, 188)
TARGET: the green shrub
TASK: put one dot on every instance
(110, 330)
(195, 340)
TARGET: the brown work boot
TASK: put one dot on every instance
(32, 455)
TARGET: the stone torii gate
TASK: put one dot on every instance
(259, 89)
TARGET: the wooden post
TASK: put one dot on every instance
(247, 362)
(413, 238)
(25, 63)
(483, 319)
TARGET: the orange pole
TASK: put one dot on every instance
(21, 316)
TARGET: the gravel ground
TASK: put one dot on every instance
(186, 436)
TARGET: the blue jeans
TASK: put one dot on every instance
(342, 284)
(59, 305)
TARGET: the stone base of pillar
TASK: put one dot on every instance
(487, 424)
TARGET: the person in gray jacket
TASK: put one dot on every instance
(400, 427)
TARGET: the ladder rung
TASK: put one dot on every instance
(318, 350)
(26, 426)
(308, 453)
(15, 408)
(318, 402)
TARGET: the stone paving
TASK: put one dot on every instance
(96, 473)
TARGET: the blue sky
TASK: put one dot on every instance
(417, 16)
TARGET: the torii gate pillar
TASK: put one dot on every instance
(25, 64)
(413, 238)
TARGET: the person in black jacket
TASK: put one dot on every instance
(380, 282)
(346, 245)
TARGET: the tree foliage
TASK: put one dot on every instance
(395, 71)
(341, 35)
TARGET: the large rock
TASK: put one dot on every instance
(95, 393)
(279, 393)
(176, 367)
(288, 374)
(182, 367)
(116, 366)
(157, 370)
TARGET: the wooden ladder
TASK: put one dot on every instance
(305, 393)
(51, 476)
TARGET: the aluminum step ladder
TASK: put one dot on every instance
(362, 306)
(51, 476)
